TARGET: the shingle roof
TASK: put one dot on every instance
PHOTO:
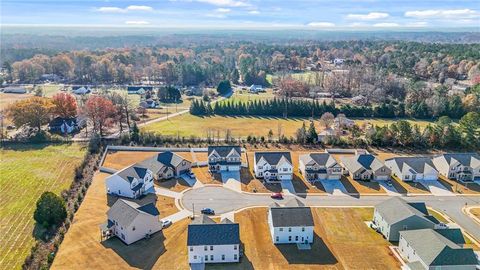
(213, 234)
(466, 159)
(322, 159)
(224, 150)
(397, 209)
(124, 212)
(291, 216)
(273, 157)
(365, 161)
(203, 219)
(134, 171)
(439, 247)
(418, 164)
(161, 160)
(136, 88)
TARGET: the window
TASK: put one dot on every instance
(235, 257)
(205, 248)
(211, 247)
(235, 247)
(296, 238)
(407, 177)
(289, 229)
(191, 248)
(206, 258)
(281, 229)
(133, 228)
(211, 257)
(303, 229)
(276, 239)
(260, 167)
(223, 257)
(405, 227)
(195, 257)
(289, 238)
(123, 236)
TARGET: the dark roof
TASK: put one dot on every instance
(362, 161)
(440, 247)
(366, 160)
(213, 234)
(134, 171)
(124, 212)
(223, 151)
(149, 209)
(136, 88)
(291, 216)
(273, 157)
(80, 86)
(322, 159)
(466, 159)
(418, 164)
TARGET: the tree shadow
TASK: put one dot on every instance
(370, 184)
(319, 253)
(142, 254)
(170, 183)
(247, 178)
(400, 188)
(299, 185)
(145, 199)
(29, 146)
(348, 185)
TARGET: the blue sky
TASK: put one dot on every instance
(308, 14)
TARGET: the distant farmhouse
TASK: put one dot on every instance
(366, 167)
(15, 90)
(273, 166)
(224, 158)
(395, 215)
(210, 242)
(255, 88)
(139, 90)
(67, 125)
(81, 90)
(463, 167)
(131, 222)
(413, 169)
(319, 166)
(436, 249)
(290, 224)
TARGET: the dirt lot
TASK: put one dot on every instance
(335, 246)
(174, 184)
(82, 249)
(121, 159)
(204, 176)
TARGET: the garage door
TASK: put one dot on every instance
(430, 177)
(333, 177)
(382, 177)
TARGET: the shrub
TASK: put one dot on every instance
(50, 210)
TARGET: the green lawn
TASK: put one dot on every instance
(26, 171)
(385, 121)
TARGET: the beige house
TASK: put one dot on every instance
(319, 166)
(366, 167)
(167, 165)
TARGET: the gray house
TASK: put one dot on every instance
(366, 167)
(395, 215)
(463, 167)
(436, 249)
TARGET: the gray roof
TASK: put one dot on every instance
(161, 160)
(224, 150)
(273, 157)
(466, 159)
(363, 161)
(134, 171)
(213, 234)
(440, 247)
(203, 219)
(291, 216)
(418, 164)
(124, 212)
(397, 209)
(322, 159)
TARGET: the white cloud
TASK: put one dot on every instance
(386, 25)
(226, 3)
(223, 10)
(137, 22)
(254, 12)
(132, 8)
(321, 24)
(443, 14)
(417, 24)
(369, 16)
(358, 24)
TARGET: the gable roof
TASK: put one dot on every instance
(440, 247)
(213, 234)
(136, 88)
(203, 219)
(124, 212)
(273, 157)
(224, 150)
(322, 159)
(418, 164)
(465, 159)
(397, 209)
(362, 161)
(291, 216)
(160, 160)
(134, 171)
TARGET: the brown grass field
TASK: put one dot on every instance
(121, 159)
(26, 171)
(82, 249)
(335, 246)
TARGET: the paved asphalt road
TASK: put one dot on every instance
(224, 200)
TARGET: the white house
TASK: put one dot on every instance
(81, 90)
(254, 88)
(210, 242)
(463, 167)
(395, 215)
(131, 182)
(131, 222)
(435, 249)
(291, 224)
(224, 158)
(15, 90)
(319, 166)
(273, 166)
(341, 122)
(139, 90)
(366, 167)
(413, 168)
(166, 165)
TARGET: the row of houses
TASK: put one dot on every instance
(423, 241)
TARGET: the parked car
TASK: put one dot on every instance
(276, 195)
(207, 211)
(166, 223)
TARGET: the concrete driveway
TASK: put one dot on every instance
(287, 187)
(334, 187)
(192, 182)
(232, 180)
(436, 188)
(390, 189)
